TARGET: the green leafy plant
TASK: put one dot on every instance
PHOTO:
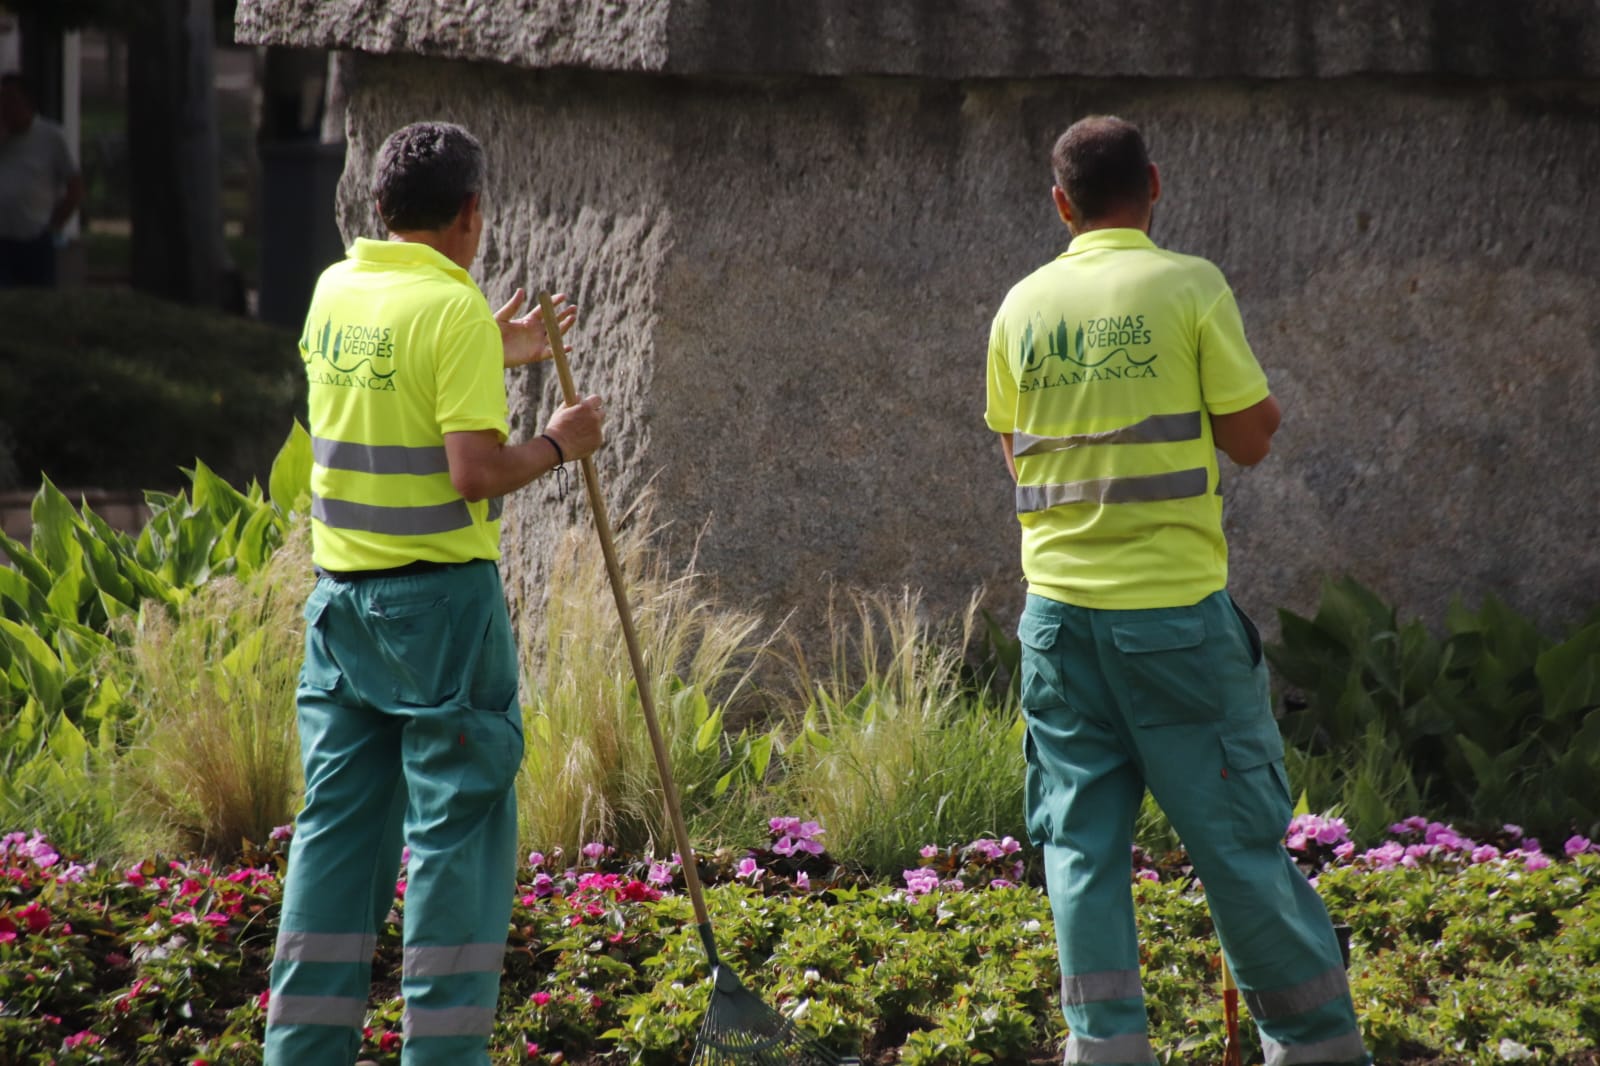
(1492, 721)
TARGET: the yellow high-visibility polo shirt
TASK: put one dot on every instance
(1104, 365)
(400, 348)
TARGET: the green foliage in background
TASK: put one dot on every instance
(112, 389)
(71, 597)
(1492, 722)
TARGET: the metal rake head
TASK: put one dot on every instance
(740, 1030)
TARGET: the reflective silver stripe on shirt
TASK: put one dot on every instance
(1157, 429)
(446, 1021)
(1177, 485)
(497, 507)
(1297, 999)
(344, 1011)
(395, 521)
(379, 458)
(1346, 1048)
(1130, 1047)
(326, 947)
(1081, 988)
(461, 958)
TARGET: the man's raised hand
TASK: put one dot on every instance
(523, 339)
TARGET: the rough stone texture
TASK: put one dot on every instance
(786, 284)
(959, 39)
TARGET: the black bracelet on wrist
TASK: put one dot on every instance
(561, 456)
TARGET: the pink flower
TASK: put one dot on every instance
(929, 851)
(1485, 853)
(747, 870)
(596, 851)
(1148, 875)
(660, 874)
(533, 1049)
(263, 999)
(389, 1040)
(535, 859)
(1536, 861)
(921, 880)
(802, 881)
(1577, 845)
(36, 917)
(80, 1039)
(282, 832)
(539, 999)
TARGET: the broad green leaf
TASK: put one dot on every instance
(40, 667)
(289, 484)
(212, 493)
(760, 756)
(707, 735)
(20, 599)
(26, 562)
(103, 566)
(54, 519)
(1569, 674)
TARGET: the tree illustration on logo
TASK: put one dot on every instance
(331, 355)
(1030, 358)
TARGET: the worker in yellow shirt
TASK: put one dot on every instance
(1115, 373)
(410, 725)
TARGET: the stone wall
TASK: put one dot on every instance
(787, 260)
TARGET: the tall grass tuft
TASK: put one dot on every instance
(898, 748)
(216, 760)
(588, 774)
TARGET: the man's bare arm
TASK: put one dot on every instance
(1246, 436)
(483, 466)
(1011, 462)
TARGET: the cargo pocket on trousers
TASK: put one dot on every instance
(318, 670)
(1167, 672)
(1258, 787)
(1041, 672)
(415, 636)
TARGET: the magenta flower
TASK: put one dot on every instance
(660, 873)
(282, 832)
(535, 859)
(747, 870)
(929, 851)
(802, 881)
(1148, 875)
(1577, 845)
(921, 880)
(1536, 861)
(596, 851)
(1485, 853)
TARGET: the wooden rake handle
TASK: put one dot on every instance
(619, 592)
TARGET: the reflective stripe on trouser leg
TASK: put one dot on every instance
(1212, 757)
(1082, 795)
(343, 860)
(461, 762)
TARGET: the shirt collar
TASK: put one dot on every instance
(405, 253)
(1109, 238)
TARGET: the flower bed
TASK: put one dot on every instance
(1459, 956)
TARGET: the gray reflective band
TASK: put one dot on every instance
(1127, 1048)
(1297, 999)
(447, 1021)
(326, 947)
(1346, 1048)
(379, 458)
(497, 507)
(1177, 485)
(395, 521)
(1082, 988)
(1157, 429)
(463, 958)
(347, 1012)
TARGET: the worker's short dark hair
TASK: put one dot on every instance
(1101, 163)
(424, 174)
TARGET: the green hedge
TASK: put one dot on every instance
(114, 389)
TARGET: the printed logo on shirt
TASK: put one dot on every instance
(350, 357)
(1101, 349)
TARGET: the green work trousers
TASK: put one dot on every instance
(1174, 700)
(411, 734)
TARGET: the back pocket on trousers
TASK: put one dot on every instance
(1167, 670)
(416, 638)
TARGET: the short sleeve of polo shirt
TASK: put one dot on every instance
(1000, 411)
(1230, 377)
(470, 375)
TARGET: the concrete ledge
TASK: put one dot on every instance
(964, 39)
